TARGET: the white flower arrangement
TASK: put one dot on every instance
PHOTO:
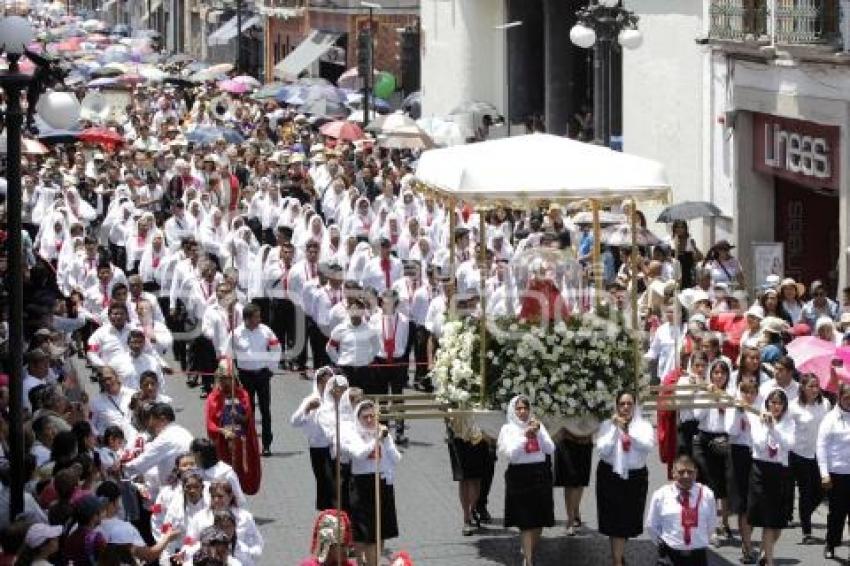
(570, 369)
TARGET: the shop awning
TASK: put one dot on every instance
(154, 6)
(314, 46)
(225, 33)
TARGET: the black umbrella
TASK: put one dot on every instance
(688, 210)
(412, 104)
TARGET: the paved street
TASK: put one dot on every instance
(429, 517)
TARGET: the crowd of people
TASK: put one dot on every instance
(157, 258)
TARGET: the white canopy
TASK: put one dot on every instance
(539, 167)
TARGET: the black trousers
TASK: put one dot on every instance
(265, 309)
(299, 337)
(685, 433)
(283, 324)
(487, 478)
(839, 509)
(806, 475)
(178, 323)
(318, 341)
(258, 385)
(420, 352)
(669, 557)
(202, 358)
(322, 464)
(361, 377)
(391, 377)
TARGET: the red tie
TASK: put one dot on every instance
(385, 266)
(105, 295)
(690, 515)
(283, 279)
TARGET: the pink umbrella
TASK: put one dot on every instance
(813, 355)
(233, 87)
(248, 80)
(342, 130)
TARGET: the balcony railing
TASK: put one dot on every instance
(789, 22)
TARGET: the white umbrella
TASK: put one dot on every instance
(605, 217)
(444, 132)
(406, 137)
(152, 74)
(394, 121)
(540, 167)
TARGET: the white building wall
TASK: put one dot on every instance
(463, 56)
(664, 87)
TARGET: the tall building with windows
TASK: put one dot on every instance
(747, 102)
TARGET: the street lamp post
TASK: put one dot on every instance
(15, 34)
(367, 82)
(603, 25)
(238, 36)
(506, 27)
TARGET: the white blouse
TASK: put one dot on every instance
(738, 427)
(515, 446)
(609, 443)
(807, 419)
(771, 443)
(362, 452)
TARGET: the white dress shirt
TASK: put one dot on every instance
(161, 453)
(388, 327)
(609, 443)
(772, 443)
(663, 347)
(807, 419)
(833, 441)
(256, 349)
(308, 423)
(130, 368)
(664, 517)
(374, 276)
(299, 277)
(106, 344)
(712, 420)
(362, 452)
(512, 443)
(218, 324)
(792, 390)
(107, 410)
(738, 427)
(355, 346)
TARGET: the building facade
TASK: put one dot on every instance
(748, 105)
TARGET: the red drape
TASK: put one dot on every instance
(667, 425)
(243, 453)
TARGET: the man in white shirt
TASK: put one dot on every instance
(131, 364)
(319, 300)
(170, 440)
(257, 352)
(353, 346)
(783, 378)
(110, 340)
(303, 274)
(383, 271)
(37, 373)
(681, 518)
(393, 358)
(833, 459)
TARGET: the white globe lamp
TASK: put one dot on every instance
(583, 36)
(15, 34)
(60, 110)
(610, 3)
(630, 38)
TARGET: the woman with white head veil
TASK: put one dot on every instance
(313, 231)
(137, 240)
(362, 220)
(331, 245)
(154, 252)
(408, 206)
(371, 446)
(80, 210)
(379, 224)
(337, 390)
(358, 261)
(70, 267)
(422, 252)
(306, 419)
(242, 256)
(622, 480)
(213, 233)
(53, 236)
(529, 504)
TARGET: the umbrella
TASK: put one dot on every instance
(412, 104)
(222, 68)
(196, 66)
(405, 137)
(209, 135)
(131, 78)
(355, 100)
(248, 80)
(621, 235)
(106, 72)
(342, 130)
(313, 81)
(324, 92)
(323, 107)
(179, 58)
(179, 82)
(105, 137)
(53, 136)
(209, 74)
(103, 81)
(271, 90)
(393, 121)
(813, 355)
(605, 217)
(152, 74)
(233, 87)
(688, 210)
(351, 79)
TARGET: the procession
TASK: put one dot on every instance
(243, 323)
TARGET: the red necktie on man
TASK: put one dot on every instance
(385, 266)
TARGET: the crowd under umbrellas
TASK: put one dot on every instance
(201, 227)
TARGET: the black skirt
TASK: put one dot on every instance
(528, 496)
(620, 503)
(323, 471)
(740, 462)
(711, 452)
(469, 461)
(767, 496)
(345, 487)
(572, 463)
(363, 509)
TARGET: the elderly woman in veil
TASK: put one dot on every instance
(230, 425)
(529, 504)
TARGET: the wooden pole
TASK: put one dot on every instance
(452, 206)
(482, 238)
(338, 467)
(634, 298)
(597, 252)
(377, 484)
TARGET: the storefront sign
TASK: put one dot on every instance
(804, 152)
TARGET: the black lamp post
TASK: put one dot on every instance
(370, 75)
(15, 34)
(238, 37)
(604, 25)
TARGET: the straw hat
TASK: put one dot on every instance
(774, 325)
(788, 282)
(756, 311)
